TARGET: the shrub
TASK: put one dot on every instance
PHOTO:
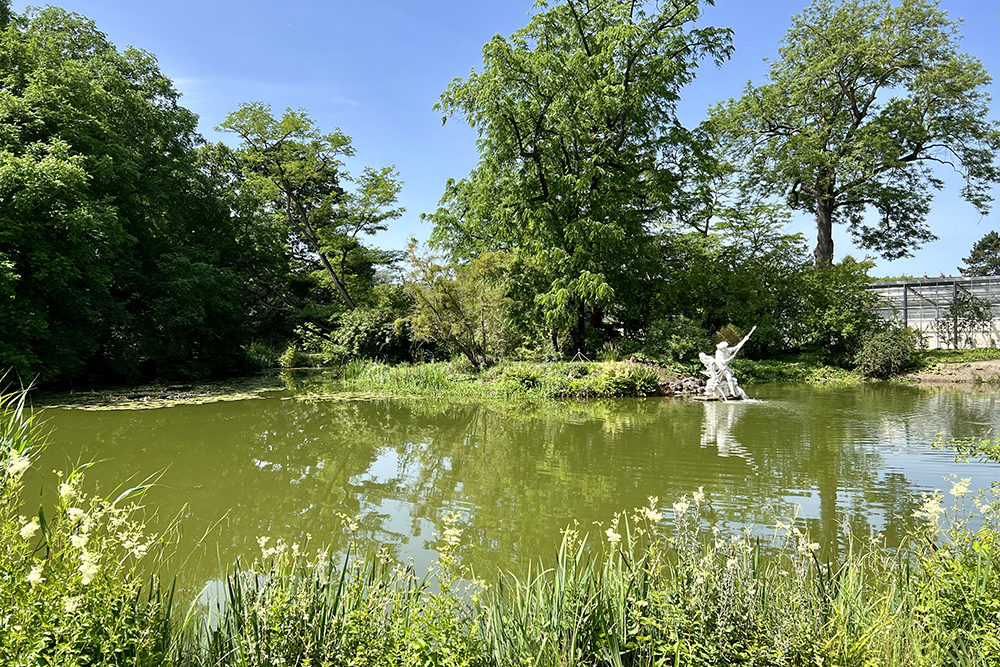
(729, 333)
(293, 357)
(626, 379)
(888, 352)
(678, 339)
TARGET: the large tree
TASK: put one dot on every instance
(112, 249)
(865, 98)
(576, 121)
(288, 183)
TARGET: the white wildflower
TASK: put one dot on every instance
(262, 542)
(653, 515)
(89, 566)
(931, 509)
(453, 536)
(35, 576)
(732, 563)
(699, 495)
(29, 529)
(613, 537)
(960, 487)
(66, 492)
(79, 541)
(75, 514)
(71, 604)
(17, 464)
(681, 506)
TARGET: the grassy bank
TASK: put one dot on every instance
(658, 585)
(615, 379)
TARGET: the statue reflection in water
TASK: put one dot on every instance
(717, 427)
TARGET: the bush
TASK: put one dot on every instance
(293, 357)
(678, 339)
(889, 352)
(729, 333)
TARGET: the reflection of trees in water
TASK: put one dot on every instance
(520, 472)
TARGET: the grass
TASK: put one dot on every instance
(507, 379)
(647, 591)
(931, 357)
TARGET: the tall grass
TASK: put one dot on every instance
(506, 380)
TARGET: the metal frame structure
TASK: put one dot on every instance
(919, 303)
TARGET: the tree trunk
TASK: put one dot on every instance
(824, 232)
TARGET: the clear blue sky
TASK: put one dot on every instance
(375, 68)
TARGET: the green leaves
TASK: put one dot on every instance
(865, 98)
(575, 113)
(286, 179)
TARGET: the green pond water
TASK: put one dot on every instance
(519, 474)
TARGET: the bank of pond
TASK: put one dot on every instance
(97, 578)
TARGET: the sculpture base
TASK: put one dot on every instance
(719, 398)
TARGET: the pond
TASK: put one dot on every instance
(519, 474)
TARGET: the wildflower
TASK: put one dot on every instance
(613, 537)
(262, 542)
(89, 566)
(78, 541)
(35, 576)
(75, 514)
(699, 495)
(653, 515)
(17, 464)
(29, 529)
(71, 604)
(931, 510)
(681, 506)
(453, 536)
(66, 492)
(960, 487)
(732, 563)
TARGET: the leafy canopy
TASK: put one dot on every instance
(865, 98)
(576, 116)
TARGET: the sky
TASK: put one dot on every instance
(375, 69)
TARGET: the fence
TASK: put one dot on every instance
(927, 305)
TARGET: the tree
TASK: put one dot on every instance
(112, 250)
(295, 175)
(865, 98)
(576, 121)
(459, 306)
(984, 259)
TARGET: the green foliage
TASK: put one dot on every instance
(293, 357)
(864, 97)
(114, 259)
(576, 119)
(984, 259)
(463, 307)
(286, 181)
(838, 311)
(800, 368)
(730, 334)
(888, 352)
(71, 587)
(677, 339)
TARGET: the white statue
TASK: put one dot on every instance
(721, 381)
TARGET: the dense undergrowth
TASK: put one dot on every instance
(661, 586)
